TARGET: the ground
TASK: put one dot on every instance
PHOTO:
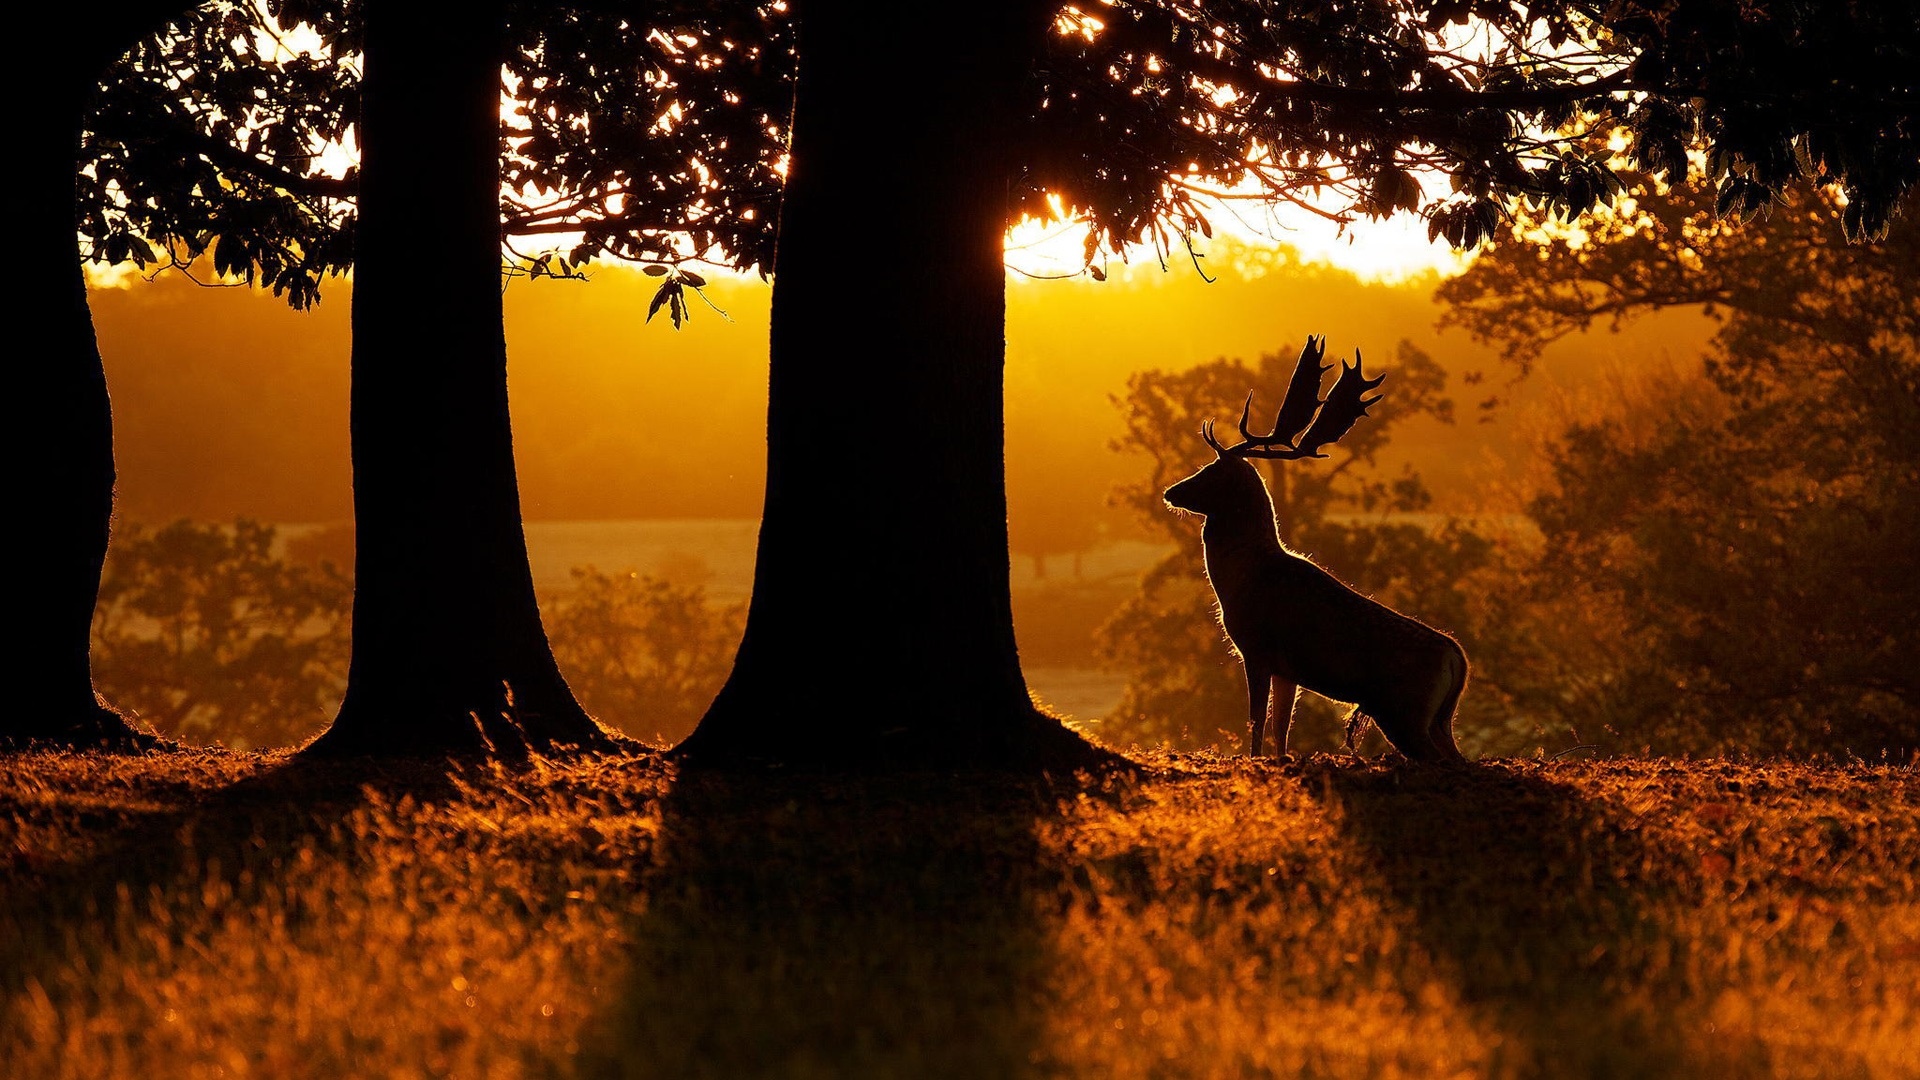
(228, 914)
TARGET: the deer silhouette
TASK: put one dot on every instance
(1295, 625)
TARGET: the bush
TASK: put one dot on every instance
(643, 654)
(206, 633)
(212, 636)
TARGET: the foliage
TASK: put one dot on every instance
(641, 652)
(663, 139)
(1147, 105)
(659, 138)
(656, 139)
(204, 139)
(1183, 686)
(208, 635)
(1743, 535)
(181, 915)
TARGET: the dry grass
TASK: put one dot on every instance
(233, 915)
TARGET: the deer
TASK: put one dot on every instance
(1292, 623)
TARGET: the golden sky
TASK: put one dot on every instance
(228, 404)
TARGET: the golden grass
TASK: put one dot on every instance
(228, 915)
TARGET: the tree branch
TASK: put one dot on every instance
(1132, 30)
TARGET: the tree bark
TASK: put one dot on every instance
(449, 655)
(66, 469)
(880, 629)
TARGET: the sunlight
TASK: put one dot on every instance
(1389, 251)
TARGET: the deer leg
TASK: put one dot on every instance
(1402, 714)
(1259, 679)
(1280, 704)
(1402, 724)
(1452, 682)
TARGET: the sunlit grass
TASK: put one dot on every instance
(231, 915)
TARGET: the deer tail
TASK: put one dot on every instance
(1357, 724)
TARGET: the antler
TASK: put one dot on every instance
(1303, 397)
(1206, 432)
(1346, 404)
(1325, 421)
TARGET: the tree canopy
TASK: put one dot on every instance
(655, 139)
(1146, 105)
(658, 133)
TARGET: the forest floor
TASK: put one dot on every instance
(222, 914)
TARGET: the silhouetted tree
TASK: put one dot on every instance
(117, 153)
(885, 493)
(1743, 535)
(447, 629)
(449, 652)
(68, 468)
(1122, 111)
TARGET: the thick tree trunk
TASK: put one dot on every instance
(881, 628)
(66, 471)
(449, 656)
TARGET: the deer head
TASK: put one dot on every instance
(1304, 425)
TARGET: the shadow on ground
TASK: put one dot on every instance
(794, 922)
(163, 842)
(1527, 891)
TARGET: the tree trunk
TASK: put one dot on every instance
(881, 628)
(67, 473)
(449, 655)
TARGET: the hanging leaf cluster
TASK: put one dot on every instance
(672, 293)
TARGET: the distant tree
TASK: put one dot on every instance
(1122, 111)
(210, 635)
(644, 654)
(1057, 517)
(213, 637)
(1744, 535)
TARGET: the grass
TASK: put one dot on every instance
(226, 915)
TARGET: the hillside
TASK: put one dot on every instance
(227, 914)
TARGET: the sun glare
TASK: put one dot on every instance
(1386, 251)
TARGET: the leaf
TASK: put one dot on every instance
(1729, 193)
(1096, 273)
(654, 270)
(660, 296)
(692, 278)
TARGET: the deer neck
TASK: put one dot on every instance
(1237, 541)
(1255, 534)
